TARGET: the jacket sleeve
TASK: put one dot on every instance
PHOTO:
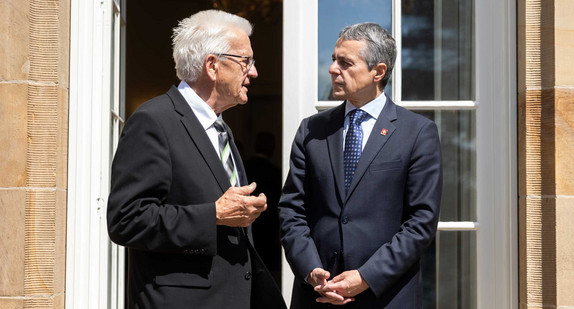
(138, 215)
(422, 197)
(300, 249)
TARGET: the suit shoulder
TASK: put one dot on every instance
(158, 110)
(156, 104)
(325, 116)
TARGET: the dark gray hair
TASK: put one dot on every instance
(201, 34)
(380, 45)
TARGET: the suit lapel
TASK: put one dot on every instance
(381, 133)
(335, 147)
(200, 139)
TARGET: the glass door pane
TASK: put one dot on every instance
(449, 271)
(458, 145)
(336, 15)
(437, 50)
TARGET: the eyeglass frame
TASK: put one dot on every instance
(250, 60)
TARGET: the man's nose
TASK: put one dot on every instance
(252, 72)
(334, 68)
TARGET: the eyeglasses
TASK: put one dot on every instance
(249, 61)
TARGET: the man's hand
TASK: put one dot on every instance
(237, 208)
(318, 276)
(318, 279)
(347, 285)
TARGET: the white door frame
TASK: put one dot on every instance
(94, 278)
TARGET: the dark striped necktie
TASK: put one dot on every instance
(225, 152)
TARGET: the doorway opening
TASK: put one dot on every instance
(256, 126)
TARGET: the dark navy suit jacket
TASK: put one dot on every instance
(166, 177)
(382, 225)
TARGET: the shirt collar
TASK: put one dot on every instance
(372, 108)
(202, 111)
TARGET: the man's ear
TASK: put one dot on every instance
(380, 70)
(211, 66)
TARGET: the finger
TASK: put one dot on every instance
(330, 286)
(245, 190)
(338, 278)
(256, 201)
(323, 274)
(319, 276)
(323, 300)
(327, 300)
(333, 295)
(262, 196)
(259, 208)
(344, 302)
(322, 288)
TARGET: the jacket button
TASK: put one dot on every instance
(247, 275)
(345, 220)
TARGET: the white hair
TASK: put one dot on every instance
(201, 34)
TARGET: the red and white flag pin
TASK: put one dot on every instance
(384, 131)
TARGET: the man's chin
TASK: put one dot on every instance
(242, 101)
(338, 96)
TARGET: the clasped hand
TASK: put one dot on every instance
(340, 290)
(237, 208)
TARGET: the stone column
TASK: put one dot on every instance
(34, 74)
(564, 123)
(546, 152)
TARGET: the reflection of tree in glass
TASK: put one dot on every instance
(333, 17)
(437, 50)
(417, 50)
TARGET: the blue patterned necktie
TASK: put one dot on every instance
(353, 144)
(225, 152)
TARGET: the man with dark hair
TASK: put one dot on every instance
(361, 201)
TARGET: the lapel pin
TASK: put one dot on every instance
(384, 131)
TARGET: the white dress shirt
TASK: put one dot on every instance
(205, 115)
(372, 108)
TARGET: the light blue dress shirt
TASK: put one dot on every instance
(373, 108)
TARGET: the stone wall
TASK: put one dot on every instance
(546, 152)
(34, 76)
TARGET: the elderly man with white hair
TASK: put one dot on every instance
(180, 202)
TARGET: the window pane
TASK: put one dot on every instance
(458, 145)
(449, 271)
(437, 50)
(334, 15)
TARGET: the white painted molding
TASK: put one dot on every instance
(299, 85)
(88, 256)
(458, 226)
(496, 154)
(418, 105)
